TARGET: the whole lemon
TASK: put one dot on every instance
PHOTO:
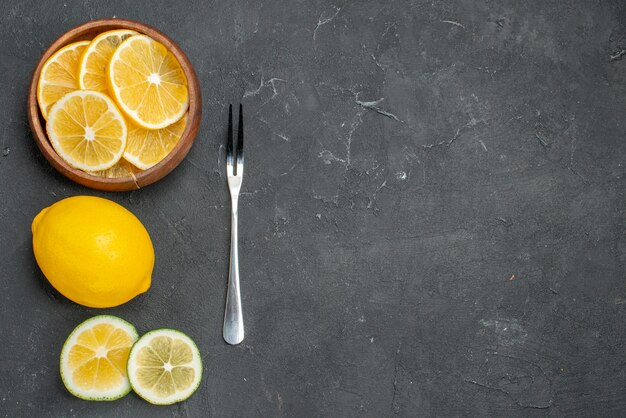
(93, 251)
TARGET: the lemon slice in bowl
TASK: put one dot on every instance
(121, 169)
(94, 358)
(59, 75)
(164, 367)
(95, 60)
(87, 130)
(148, 83)
(145, 148)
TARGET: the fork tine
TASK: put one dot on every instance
(240, 136)
(229, 146)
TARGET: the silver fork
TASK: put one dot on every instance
(233, 316)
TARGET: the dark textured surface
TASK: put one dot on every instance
(432, 218)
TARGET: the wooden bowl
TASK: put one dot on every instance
(37, 123)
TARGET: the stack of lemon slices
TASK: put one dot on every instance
(115, 105)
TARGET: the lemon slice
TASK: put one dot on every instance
(121, 169)
(148, 83)
(164, 367)
(87, 130)
(94, 357)
(95, 60)
(59, 75)
(145, 148)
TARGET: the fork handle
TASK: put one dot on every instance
(233, 315)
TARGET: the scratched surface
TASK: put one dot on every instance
(432, 217)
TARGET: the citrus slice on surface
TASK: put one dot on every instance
(87, 130)
(145, 148)
(59, 75)
(94, 358)
(164, 367)
(95, 60)
(148, 83)
(121, 169)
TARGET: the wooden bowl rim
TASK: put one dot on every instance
(145, 177)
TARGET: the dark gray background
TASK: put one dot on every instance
(456, 249)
